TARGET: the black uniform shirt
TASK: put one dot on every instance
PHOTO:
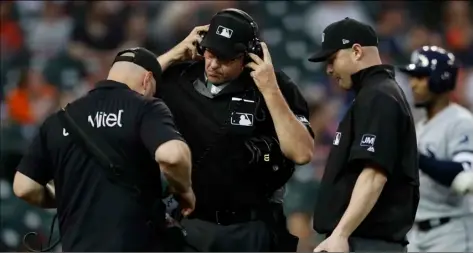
(95, 214)
(215, 127)
(378, 128)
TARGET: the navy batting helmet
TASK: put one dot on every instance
(436, 63)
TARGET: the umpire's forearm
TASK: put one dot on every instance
(174, 159)
(368, 187)
(166, 60)
(178, 175)
(42, 198)
(294, 139)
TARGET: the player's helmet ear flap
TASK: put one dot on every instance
(254, 45)
(443, 82)
(436, 63)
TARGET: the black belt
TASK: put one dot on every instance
(427, 225)
(229, 217)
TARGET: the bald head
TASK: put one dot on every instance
(134, 76)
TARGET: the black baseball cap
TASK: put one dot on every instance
(141, 57)
(228, 35)
(344, 34)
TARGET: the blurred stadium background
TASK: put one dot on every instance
(52, 52)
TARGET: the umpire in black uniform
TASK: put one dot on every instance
(98, 210)
(246, 126)
(370, 190)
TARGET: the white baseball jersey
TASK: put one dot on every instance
(447, 136)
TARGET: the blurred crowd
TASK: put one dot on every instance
(53, 52)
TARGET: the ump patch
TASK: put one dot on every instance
(367, 140)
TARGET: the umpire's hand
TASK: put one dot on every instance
(187, 49)
(333, 243)
(263, 71)
(186, 201)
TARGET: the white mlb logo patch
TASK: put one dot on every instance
(225, 32)
(241, 119)
(368, 140)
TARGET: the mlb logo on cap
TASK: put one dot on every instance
(225, 32)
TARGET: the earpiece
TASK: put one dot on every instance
(200, 49)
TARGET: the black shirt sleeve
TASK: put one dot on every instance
(295, 100)
(157, 126)
(36, 163)
(378, 122)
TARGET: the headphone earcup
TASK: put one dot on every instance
(199, 48)
(258, 50)
(254, 47)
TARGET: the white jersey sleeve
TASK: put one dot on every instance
(460, 143)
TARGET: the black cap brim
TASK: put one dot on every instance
(322, 55)
(405, 69)
(412, 70)
(222, 49)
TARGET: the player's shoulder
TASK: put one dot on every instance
(459, 116)
(458, 113)
(461, 112)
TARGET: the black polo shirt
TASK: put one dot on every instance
(217, 127)
(378, 128)
(94, 213)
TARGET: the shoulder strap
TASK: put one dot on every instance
(95, 146)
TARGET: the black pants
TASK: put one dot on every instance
(358, 244)
(205, 236)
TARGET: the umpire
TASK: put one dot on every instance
(370, 189)
(97, 208)
(246, 126)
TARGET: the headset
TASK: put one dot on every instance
(253, 46)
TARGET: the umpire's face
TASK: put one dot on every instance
(220, 70)
(420, 91)
(341, 65)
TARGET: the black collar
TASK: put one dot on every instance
(359, 79)
(110, 84)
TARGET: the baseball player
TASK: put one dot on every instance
(444, 218)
